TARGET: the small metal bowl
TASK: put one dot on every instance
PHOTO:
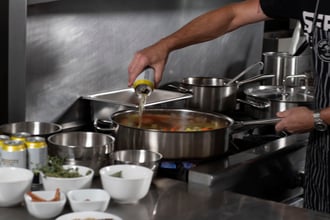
(144, 158)
(34, 128)
(89, 149)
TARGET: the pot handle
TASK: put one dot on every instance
(107, 149)
(258, 105)
(111, 125)
(304, 76)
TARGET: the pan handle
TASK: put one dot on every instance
(260, 66)
(255, 78)
(271, 121)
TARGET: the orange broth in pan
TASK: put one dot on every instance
(171, 121)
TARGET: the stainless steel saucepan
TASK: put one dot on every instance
(214, 94)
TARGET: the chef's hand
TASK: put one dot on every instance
(154, 56)
(295, 120)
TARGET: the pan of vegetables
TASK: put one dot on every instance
(175, 133)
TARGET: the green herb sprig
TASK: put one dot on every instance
(55, 168)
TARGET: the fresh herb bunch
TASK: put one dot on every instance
(54, 168)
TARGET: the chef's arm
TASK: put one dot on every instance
(203, 28)
(215, 23)
(300, 119)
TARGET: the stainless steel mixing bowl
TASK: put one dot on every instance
(144, 158)
(89, 149)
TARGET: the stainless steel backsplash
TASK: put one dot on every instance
(81, 47)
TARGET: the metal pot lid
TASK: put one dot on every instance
(278, 93)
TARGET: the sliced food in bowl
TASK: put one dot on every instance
(66, 177)
(45, 204)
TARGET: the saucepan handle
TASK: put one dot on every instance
(180, 88)
(255, 78)
(260, 66)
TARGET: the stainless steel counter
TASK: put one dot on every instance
(171, 199)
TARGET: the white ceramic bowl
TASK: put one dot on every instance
(131, 187)
(14, 182)
(45, 210)
(88, 200)
(67, 184)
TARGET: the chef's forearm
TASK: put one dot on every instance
(206, 27)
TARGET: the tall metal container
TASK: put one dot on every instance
(282, 65)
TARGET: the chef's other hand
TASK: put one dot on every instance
(295, 120)
(154, 56)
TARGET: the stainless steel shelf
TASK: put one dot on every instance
(33, 2)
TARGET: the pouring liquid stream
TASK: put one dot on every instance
(142, 103)
(144, 85)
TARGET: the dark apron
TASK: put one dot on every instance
(317, 168)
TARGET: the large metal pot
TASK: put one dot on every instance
(265, 101)
(34, 128)
(282, 65)
(176, 144)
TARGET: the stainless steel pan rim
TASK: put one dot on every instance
(35, 128)
(280, 94)
(227, 119)
(80, 139)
